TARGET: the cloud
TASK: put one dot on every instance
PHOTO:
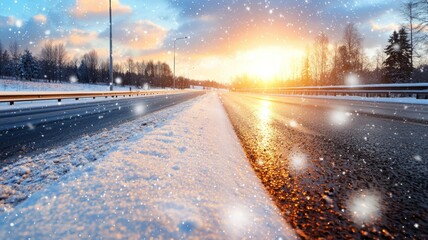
(140, 35)
(15, 22)
(79, 38)
(384, 27)
(91, 8)
(40, 18)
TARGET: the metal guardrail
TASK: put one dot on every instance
(13, 97)
(418, 91)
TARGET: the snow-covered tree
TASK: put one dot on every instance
(398, 67)
(28, 66)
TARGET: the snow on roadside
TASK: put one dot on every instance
(16, 184)
(185, 178)
(12, 85)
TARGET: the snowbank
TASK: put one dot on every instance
(186, 178)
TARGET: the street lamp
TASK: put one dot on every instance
(175, 40)
(111, 50)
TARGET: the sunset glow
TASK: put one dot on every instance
(268, 63)
(264, 40)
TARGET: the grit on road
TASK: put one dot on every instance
(334, 170)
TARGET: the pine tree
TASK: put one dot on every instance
(398, 67)
(406, 55)
(28, 66)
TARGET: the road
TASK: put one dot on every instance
(340, 169)
(35, 129)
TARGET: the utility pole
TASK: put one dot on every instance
(111, 50)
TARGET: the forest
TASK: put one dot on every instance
(54, 65)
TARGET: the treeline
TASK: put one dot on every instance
(53, 65)
(345, 62)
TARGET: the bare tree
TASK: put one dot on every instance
(415, 12)
(130, 65)
(15, 55)
(306, 70)
(352, 41)
(140, 66)
(91, 61)
(61, 59)
(47, 56)
(320, 58)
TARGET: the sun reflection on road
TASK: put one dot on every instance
(264, 115)
(265, 112)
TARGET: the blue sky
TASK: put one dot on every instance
(222, 32)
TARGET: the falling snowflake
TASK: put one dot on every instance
(339, 117)
(364, 207)
(118, 80)
(139, 109)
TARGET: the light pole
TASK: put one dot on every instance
(111, 50)
(175, 40)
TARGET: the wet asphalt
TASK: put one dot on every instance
(31, 130)
(338, 169)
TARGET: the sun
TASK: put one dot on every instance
(269, 63)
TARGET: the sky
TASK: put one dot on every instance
(228, 38)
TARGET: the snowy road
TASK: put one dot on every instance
(30, 129)
(179, 173)
(337, 168)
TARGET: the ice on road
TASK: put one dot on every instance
(188, 178)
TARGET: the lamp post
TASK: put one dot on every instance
(111, 50)
(175, 40)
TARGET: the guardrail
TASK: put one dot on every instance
(13, 97)
(418, 91)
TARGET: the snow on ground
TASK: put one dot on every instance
(12, 85)
(178, 173)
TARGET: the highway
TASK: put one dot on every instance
(335, 168)
(39, 128)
